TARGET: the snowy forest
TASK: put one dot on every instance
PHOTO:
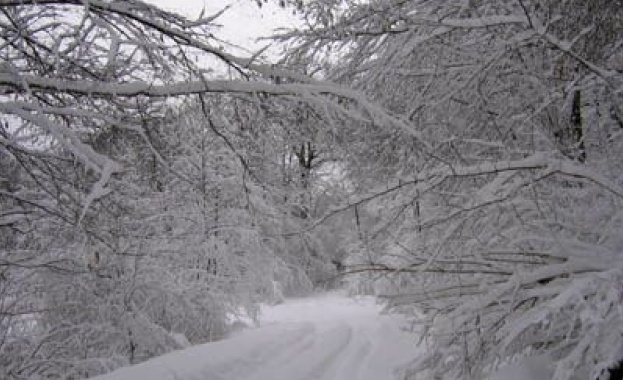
(461, 160)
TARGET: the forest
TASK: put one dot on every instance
(460, 160)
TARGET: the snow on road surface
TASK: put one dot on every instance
(325, 337)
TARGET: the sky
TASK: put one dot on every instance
(242, 24)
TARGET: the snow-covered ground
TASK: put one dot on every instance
(325, 337)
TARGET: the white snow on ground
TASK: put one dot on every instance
(325, 337)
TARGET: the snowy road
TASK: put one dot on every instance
(326, 337)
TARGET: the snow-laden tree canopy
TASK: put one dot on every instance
(462, 159)
(147, 181)
(496, 208)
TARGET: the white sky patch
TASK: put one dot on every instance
(242, 24)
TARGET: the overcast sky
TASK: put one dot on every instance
(242, 24)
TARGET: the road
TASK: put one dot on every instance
(325, 337)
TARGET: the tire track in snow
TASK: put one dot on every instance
(272, 367)
(329, 358)
(245, 366)
(353, 366)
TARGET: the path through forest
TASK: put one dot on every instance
(325, 337)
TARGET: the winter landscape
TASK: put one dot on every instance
(379, 190)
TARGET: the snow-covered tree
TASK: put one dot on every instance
(474, 148)
(493, 191)
(127, 229)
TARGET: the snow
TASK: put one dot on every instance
(479, 22)
(325, 337)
